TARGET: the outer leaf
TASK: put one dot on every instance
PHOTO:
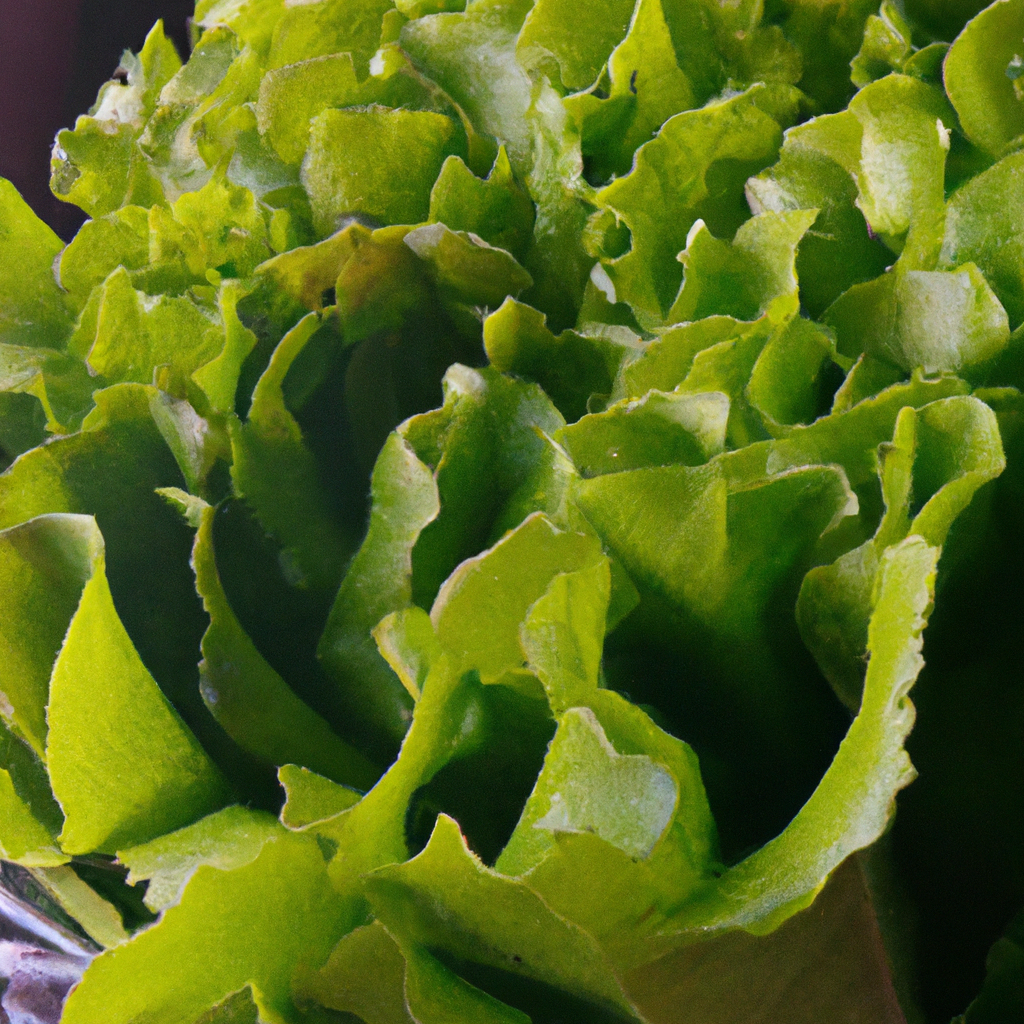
(491, 468)
(98, 166)
(99, 919)
(45, 563)
(407, 642)
(849, 439)
(744, 278)
(648, 85)
(33, 311)
(666, 360)
(943, 322)
(552, 39)
(657, 430)
(120, 239)
(478, 610)
(365, 976)
(197, 118)
(466, 269)
(228, 839)
(854, 801)
(704, 543)
(134, 335)
(218, 378)
(983, 226)
(900, 174)
(497, 208)
(815, 171)
(886, 46)
(472, 57)
(253, 925)
(489, 919)
(252, 20)
(291, 96)
(112, 469)
(939, 456)
(586, 787)
(562, 635)
(219, 226)
(789, 380)
(372, 833)
(118, 787)
(310, 30)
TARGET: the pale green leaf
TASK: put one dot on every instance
(668, 190)
(118, 787)
(253, 925)
(479, 608)
(33, 310)
(978, 79)
(311, 797)
(660, 429)
(227, 839)
(376, 163)
(489, 919)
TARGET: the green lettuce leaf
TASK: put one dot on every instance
(853, 803)
(112, 792)
(99, 166)
(668, 190)
(413, 143)
(490, 920)
(249, 926)
(227, 839)
(979, 78)
(249, 699)
(33, 310)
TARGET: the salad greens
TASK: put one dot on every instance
(474, 496)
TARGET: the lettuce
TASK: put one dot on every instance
(478, 495)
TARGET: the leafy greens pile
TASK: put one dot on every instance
(672, 355)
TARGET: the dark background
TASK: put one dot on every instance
(54, 56)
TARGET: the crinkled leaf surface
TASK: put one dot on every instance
(668, 190)
(414, 142)
(978, 75)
